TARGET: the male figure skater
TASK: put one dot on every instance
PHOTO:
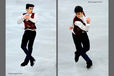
(80, 37)
(29, 18)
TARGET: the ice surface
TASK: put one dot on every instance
(44, 49)
(98, 35)
(45, 42)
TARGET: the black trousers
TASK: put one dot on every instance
(27, 43)
(82, 45)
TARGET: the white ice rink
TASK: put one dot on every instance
(98, 35)
(44, 49)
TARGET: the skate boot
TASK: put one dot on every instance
(89, 64)
(32, 60)
(24, 63)
(76, 57)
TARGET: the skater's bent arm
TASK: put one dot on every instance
(20, 19)
(87, 26)
(81, 26)
(34, 20)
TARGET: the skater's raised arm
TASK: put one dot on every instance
(81, 26)
(34, 20)
(20, 19)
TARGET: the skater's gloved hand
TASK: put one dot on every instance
(70, 27)
(88, 20)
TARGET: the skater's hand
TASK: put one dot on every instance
(88, 20)
(27, 17)
(70, 27)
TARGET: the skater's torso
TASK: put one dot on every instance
(29, 25)
(76, 29)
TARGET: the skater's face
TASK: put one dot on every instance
(79, 14)
(30, 9)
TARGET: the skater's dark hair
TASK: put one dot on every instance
(29, 5)
(78, 9)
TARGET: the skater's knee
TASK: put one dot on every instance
(30, 48)
(87, 48)
(23, 47)
(30, 45)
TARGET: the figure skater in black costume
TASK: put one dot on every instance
(29, 18)
(80, 37)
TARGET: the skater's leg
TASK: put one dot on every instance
(23, 46)
(85, 42)
(85, 56)
(87, 59)
(31, 41)
(86, 47)
(78, 46)
(24, 42)
(77, 40)
(80, 51)
(30, 46)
